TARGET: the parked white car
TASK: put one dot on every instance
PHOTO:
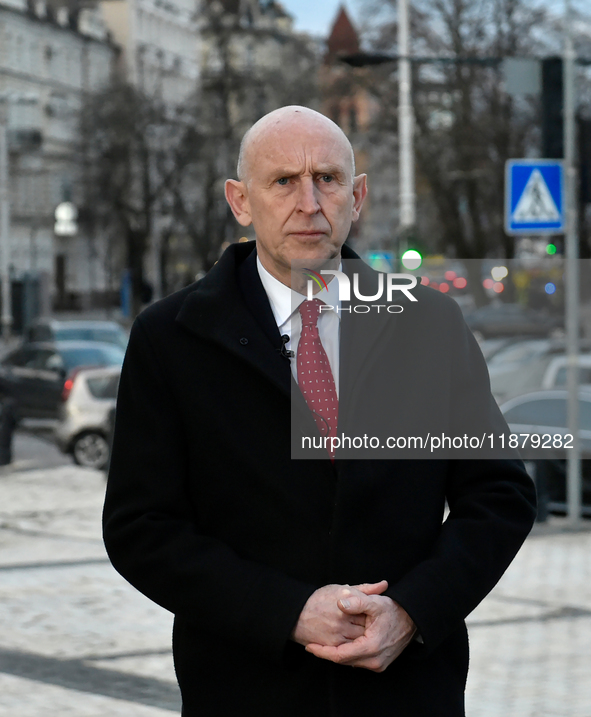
(83, 427)
(532, 365)
(557, 371)
(541, 416)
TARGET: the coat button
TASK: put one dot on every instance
(243, 341)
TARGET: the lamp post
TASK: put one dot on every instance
(572, 272)
(406, 154)
(406, 161)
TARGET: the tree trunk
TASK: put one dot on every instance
(136, 245)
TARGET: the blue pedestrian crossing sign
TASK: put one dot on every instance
(534, 196)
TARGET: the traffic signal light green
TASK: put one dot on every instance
(411, 259)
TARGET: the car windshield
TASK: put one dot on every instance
(110, 336)
(103, 386)
(548, 412)
(520, 353)
(489, 347)
(522, 377)
(562, 375)
(92, 356)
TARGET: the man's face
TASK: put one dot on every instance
(300, 196)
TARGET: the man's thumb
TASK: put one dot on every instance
(353, 605)
(372, 588)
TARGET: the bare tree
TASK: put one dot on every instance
(127, 137)
(153, 168)
(252, 67)
(467, 126)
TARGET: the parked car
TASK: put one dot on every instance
(35, 374)
(557, 372)
(530, 365)
(491, 347)
(84, 427)
(544, 412)
(497, 320)
(44, 329)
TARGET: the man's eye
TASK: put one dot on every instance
(326, 178)
(283, 181)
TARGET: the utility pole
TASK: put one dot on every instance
(5, 222)
(405, 123)
(572, 271)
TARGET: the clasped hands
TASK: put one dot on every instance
(354, 625)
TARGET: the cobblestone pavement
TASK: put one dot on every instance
(76, 640)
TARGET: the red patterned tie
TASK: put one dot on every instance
(315, 377)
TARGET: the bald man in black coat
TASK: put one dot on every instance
(285, 574)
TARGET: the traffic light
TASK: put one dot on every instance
(552, 112)
(411, 259)
(553, 125)
(585, 154)
(554, 246)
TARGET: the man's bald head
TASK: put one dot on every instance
(298, 190)
(282, 121)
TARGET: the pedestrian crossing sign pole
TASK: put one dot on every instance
(534, 197)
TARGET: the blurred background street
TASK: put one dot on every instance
(119, 123)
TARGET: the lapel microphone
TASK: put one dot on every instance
(283, 351)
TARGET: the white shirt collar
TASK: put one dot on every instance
(284, 301)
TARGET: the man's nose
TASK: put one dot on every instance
(308, 196)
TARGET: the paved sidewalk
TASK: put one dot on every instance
(76, 640)
(531, 638)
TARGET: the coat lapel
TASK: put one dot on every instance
(360, 332)
(230, 308)
(255, 298)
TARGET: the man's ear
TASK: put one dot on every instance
(237, 198)
(359, 194)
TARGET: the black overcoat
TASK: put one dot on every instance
(207, 514)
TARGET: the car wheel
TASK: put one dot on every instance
(91, 450)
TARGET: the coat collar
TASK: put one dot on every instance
(360, 332)
(230, 307)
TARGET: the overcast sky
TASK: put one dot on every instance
(317, 16)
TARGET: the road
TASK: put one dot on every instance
(76, 640)
(34, 448)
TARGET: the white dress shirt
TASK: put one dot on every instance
(285, 303)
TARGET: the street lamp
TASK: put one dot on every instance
(572, 271)
(406, 155)
(405, 122)
(6, 99)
